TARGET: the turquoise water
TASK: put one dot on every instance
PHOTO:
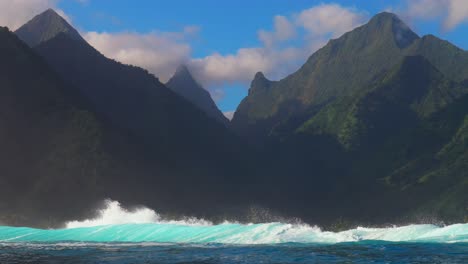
(181, 242)
(233, 233)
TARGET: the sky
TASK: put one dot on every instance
(224, 43)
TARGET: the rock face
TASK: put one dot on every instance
(185, 85)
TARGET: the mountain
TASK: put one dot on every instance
(342, 67)
(357, 58)
(52, 147)
(44, 27)
(185, 85)
(369, 119)
(383, 150)
(164, 147)
(412, 90)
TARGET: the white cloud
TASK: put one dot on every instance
(274, 58)
(457, 13)
(330, 19)
(217, 94)
(14, 13)
(229, 114)
(452, 12)
(161, 53)
(217, 69)
(158, 52)
(283, 30)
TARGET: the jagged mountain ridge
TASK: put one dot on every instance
(340, 68)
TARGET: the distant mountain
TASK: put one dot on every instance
(44, 27)
(185, 85)
(164, 146)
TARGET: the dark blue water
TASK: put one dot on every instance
(362, 252)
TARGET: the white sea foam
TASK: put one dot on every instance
(115, 214)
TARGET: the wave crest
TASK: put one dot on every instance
(115, 214)
(116, 224)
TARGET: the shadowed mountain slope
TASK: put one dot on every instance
(164, 148)
(185, 85)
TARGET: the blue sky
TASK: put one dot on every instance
(221, 41)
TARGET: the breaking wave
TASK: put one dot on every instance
(116, 224)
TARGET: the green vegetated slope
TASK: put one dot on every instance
(378, 111)
(342, 67)
(396, 131)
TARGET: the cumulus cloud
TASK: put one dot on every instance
(274, 58)
(217, 69)
(158, 52)
(452, 12)
(161, 53)
(283, 30)
(229, 114)
(457, 13)
(14, 13)
(330, 19)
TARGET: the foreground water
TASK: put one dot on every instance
(234, 243)
(149, 239)
(107, 253)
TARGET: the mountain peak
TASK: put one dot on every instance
(385, 16)
(183, 83)
(260, 82)
(50, 12)
(182, 70)
(44, 27)
(182, 74)
(389, 23)
(260, 76)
